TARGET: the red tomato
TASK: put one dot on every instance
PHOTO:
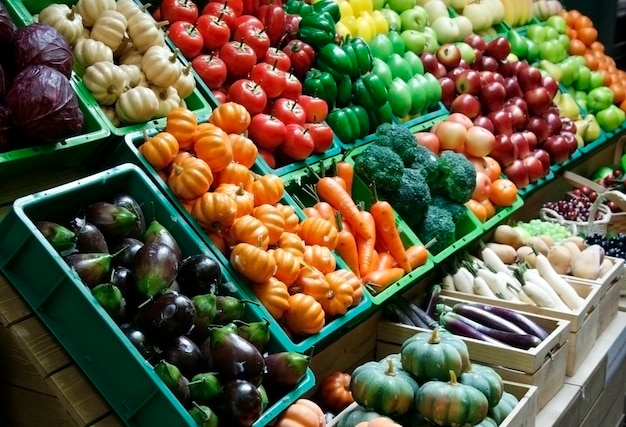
(222, 10)
(266, 131)
(277, 58)
(298, 144)
(211, 69)
(214, 30)
(289, 111)
(316, 108)
(179, 10)
(257, 39)
(220, 95)
(249, 19)
(187, 38)
(249, 94)
(271, 79)
(239, 58)
(322, 135)
(236, 5)
(293, 89)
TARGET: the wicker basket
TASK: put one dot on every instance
(599, 226)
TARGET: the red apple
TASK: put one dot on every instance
(539, 127)
(429, 61)
(519, 101)
(538, 100)
(534, 167)
(460, 118)
(449, 55)
(557, 147)
(554, 122)
(466, 104)
(504, 151)
(531, 138)
(468, 81)
(485, 122)
(512, 87)
(518, 173)
(482, 190)
(551, 84)
(454, 73)
(544, 158)
(479, 141)
(488, 63)
(428, 140)
(440, 71)
(502, 122)
(476, 41)
(507, 68)
(451, 135)
(523, 149)
(529, 78)
(498, 48)
(567, 125)
(448, 91)
(518, 116)
(492, 96)
(571, 140)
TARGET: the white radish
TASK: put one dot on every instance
(496, 284)
(558, 283)
(447, 283)
(482, 288)
(532, 275)
(463, 280)
(538, 295)
(493, 260)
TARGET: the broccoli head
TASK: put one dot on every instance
(457, 210)
(380, 165)
(457, 176)
(427, 162)
(437, 224)
(412, 198)
(400, 139)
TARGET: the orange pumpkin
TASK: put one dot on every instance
(190, 177)
(274, 296)
(287, 265)
(234, 173)
(302, 413)
(304, 316)
(338, 299)
(160, 150)
(182, 123)
(320, 257)
(245, 150)
(347, 276)
(214, 211)
(293, 243)
(312, 282)
(292, 220)
(334, 391)
(244, 199)
(231, 117)
(213, 146)
(318, 231)
(272, 218)
(252, 262)
(267, 189)
(248, 229)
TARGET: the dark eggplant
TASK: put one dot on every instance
(486, 318)
(126, 249)
(111, 299)
(229, 309)
(206, 308)
(205, 387)
(154, 267)
(234, 357)
(60, 237)
(416, 313)
(256, 333)
(524, 341)
(203, 415)
(433, 299)
(451, 323)
(89, 238)
(518, 319)
(6, 129)
(128, 202)
(157, 233)
(167, 316)
(199, 274)
(92, 268)
(241, 403)
(185, 354)
(394, 313)
(285, 369)
(174, 380)
(112, 220)
(141, 342)
(227, 288)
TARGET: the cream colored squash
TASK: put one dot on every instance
(137, 105)
(89, 51)
(90, 10)
(110, 28)
(186, 84)
(161, 66)
(64, 19)
(168, 100)
(144, 32)
(131, 57)
(134, 76)
(106, 82)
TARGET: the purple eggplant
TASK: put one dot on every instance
(89, 238)
(111, 299)
(126, 248)
(519, 319)
(199, 274)
(128, 202)
(229, 309)
(241, 403)
(205, 387)
(203, 415)
(234, 357)
(154, 267)
(257, 333)
(167, 316)
(285, 369)
(184, 354)
(486, 318)
(112, 220)
(157, 233)
(141, 342)
(92, 268)
(60, 237)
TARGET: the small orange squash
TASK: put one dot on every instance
(320, 257)
(304, 316)
(248, 229)
(231, 117)
(334, 392)
(214, 211)
(244, 199)
(252, 262)
(213, 146)
(182, 123)
(338, 299)
(302, 413)
(318, 231)
(267, 189)
(312, 282)
(292, 220)
(245, 151)
(293, 243)
(160, 149)
(272, 218)
(347, 276)
(234, 173)
(273, 295)
(287, 265)
(190, 177)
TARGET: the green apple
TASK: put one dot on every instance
(414, 18)
(467, 52)
(446, 30)
(397, 42)
(564, 40)
(533, 51)
(433, 90)
(400, 68)
(570, 72)
(551, 33)
(596, 80)
(435, 9)
(599, 98)
(393, 19)
(464, 25)
(519, 45)
(552, 50)
(582, 82)
(400, 97)
(557, 22)
(414, 61)
(381, 46)
(432, 44)
(536, 33)
(378, 4)
(382, 70)
(610, 118)
(419, 101)
(400, 5)
(414, 41)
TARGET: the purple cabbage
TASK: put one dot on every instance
(43, 104)
(41, 44)
(6, 128)
(7, 27)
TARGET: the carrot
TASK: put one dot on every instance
(365, 246)
(310, 211)
(387, 229)
(345, 171)
(346, 247)
(380, 243)
(385, 260)
(326, 211)
(380, 279)
(330, 191)
(341, 182)
(417, 255)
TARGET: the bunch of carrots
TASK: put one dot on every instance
(368, 240)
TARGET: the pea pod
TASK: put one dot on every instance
(317, 29)
(369, 91)
(334, 60)
(321, 84)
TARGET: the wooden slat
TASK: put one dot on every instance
(25, 408)
(78, 395)
(108, 421)
(12, 307)
(43, 349)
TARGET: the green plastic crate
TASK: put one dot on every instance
(75, 318)
(532, 188)
(294, 183)
(68, 152)
(23, 15)
(128, 153)
(438, 111)
(503, 213)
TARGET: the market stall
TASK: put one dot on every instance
(265, 213)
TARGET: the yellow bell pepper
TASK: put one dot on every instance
(350, 22)
(365, 27)
(380, 22)
(342, 30)
(359, 6)
(345, 9)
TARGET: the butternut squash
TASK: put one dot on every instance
(526, 254)
(537, 243)
(560, 258)
(505, 252)
(507, 235)
(587, 264)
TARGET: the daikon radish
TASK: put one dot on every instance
(558, 283)
(482, 288)
(532, 275)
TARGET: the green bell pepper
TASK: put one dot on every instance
(329, 6)
(363, 53)
(381, 115)
(298, 7)
(334, 60)
(317, 29)
(344, 91)
(369, 91)
(321, 84)
(349, 123)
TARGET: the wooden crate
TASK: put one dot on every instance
(609, 306)
(44, 384)
(523, 415)
(583, 321)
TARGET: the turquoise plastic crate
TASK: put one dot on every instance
(294, 183)
(532, 188)
(502, 214)
(128, 152)
(436, 112)
(76, 319)
(196, 102)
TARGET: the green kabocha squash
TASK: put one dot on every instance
(451, 403)
(486, 380)
(487, 422)
(383, 388)
(358, 415)
(432, 355)
(395, 359)
(504, 407)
